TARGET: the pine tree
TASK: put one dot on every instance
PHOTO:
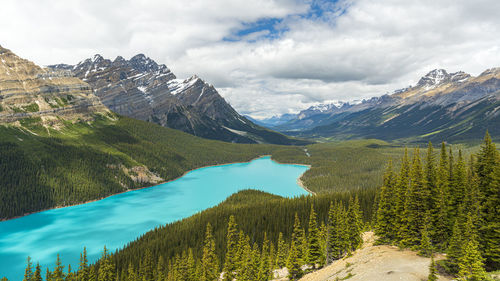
(471, 265)
(28, 272)
(336, 233)
(70, 276)
(160, 269)
(386, 216)
(294, 261)
(281, 252)
(93, 274)
(459, 185)
(58, 274)
(83, 274)
(230, 263)
(131, 274)
(245, 264)
(401, 193)
(191, 266)
(455, 248)
(432, 271)
(441, 226)
(323, 237)
(415, 204)
(107, 269)
(38, 273)
(488, 171)
(209, 261)
(265, 261)
(354, 224)
(314, 249)
(425, 243)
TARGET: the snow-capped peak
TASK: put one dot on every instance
(177, 85)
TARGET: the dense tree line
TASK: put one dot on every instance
(43, 168)
(445, 204)
(243, 258)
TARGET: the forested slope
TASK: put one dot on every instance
(43, 167)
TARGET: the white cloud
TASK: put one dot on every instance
(368, 49)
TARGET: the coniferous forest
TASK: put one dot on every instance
(436, 202)
(448, 205)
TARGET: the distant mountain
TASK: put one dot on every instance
(311, 117)
(274, 120)
(28, 91)
(452, 106)
(142, 89)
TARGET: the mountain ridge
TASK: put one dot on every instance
(455, 106)
(30, 91)
(143, 89)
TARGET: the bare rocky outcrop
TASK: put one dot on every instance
(28, 90)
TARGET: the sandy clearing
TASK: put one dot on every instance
(375, 263)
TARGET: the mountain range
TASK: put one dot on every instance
(142, 89)
(452, 106)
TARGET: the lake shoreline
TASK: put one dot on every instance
(299, 182)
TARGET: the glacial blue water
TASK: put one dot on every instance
(121, 218)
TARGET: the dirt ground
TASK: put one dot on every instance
(384, 263)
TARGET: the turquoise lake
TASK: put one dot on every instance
(121, 218)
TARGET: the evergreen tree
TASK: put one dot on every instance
(415, 204)
(386, 216)
(131, 274)
(470, 264)
(432, 271)
(459, 185)
(281, 252)
(107, 269)
(70, 276)
(93, 274)
(191, 266)
(230, 263)
(488, 171)
(265, 261)
(209, 261)
(314, 249)
(455, 248)
(160, 269)
(440, 217)
(83, 274)
(146, 266)
(245, 264)
(323, 237)
(58, 274)
(425, 243)
(28, 272)
(294, 261)
(401, 194)
(354, 224)
(37, 276)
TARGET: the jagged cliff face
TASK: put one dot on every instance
(452, 106)
(142, 89)
(27, 90)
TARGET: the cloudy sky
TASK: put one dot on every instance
(267, 57)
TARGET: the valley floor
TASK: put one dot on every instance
(371, 262)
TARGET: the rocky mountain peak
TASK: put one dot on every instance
(142, 63)
(440, 76)
(433, 78)
(30, 91)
